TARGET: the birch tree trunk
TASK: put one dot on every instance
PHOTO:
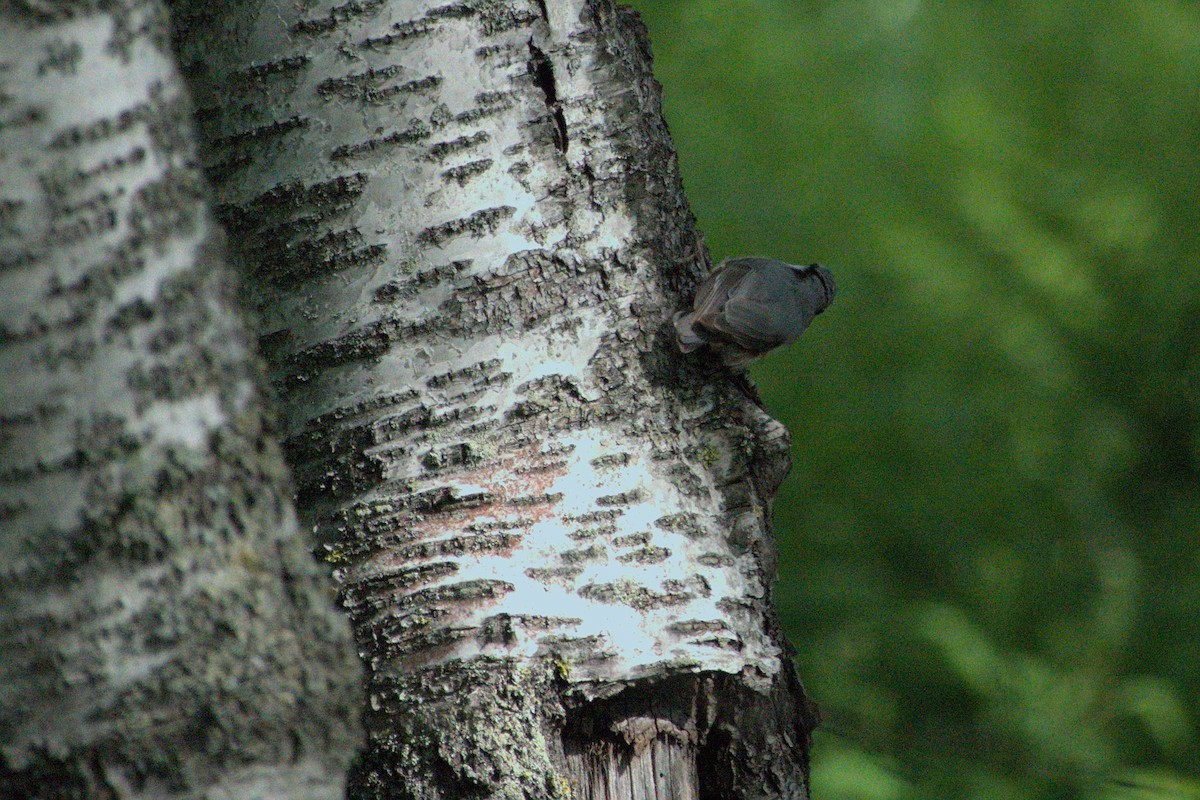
(163, 633)
(466, 235)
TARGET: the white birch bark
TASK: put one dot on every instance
(466, 236)
(163, 633)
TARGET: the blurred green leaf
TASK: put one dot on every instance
(990, 539)
(855, 775)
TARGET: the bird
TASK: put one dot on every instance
(749, 306)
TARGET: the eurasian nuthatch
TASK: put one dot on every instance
(747, 306)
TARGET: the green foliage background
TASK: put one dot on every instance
(991, 535)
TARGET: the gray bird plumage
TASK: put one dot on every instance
(748, 306)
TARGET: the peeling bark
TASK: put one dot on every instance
(163, 632)
(466, 236)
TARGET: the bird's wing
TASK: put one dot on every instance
(752, 324)
(715, 290)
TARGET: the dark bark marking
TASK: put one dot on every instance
(461, 10)
(287, 248)
(439, 151)
(407, 527)
(593, 553)
(25, 117)
(486, 104)
(53, 776)
(346, 414)
(611, 460)
(581, 651)
(336, 16)
(218, 172)
(481, 223)
(376, 592)
(632, 539)
(311, 27)
(730, 643)
(621, 499)
(414, 133)
(464, 173)
(584, 534)
(337, 465)
(102, 129)
(553, 575)
(520, 523)
(687, 480)
(458, 546)
(445, 500)
(354, 540)
(498, 17)
(469, 373)
(345, 473)
(274, 129)
(500, 628)
(94, 224)
(477, 589)
(543, 76)
(715, 560)
(401, 31)
(549, 498)
(285, 262)
(686, 523)
(358, 83)
(395, 291)
(277, 67)
(72, 180)
(449, 457)
(74, 461)
(495, 97)
(636, 597)
(605, 515)
(490, 50)
(367, 86)
(398, 641)
(558, 466)
(645, 555)
(695, 627)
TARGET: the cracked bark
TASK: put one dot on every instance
(465, 236)
(163, 631)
